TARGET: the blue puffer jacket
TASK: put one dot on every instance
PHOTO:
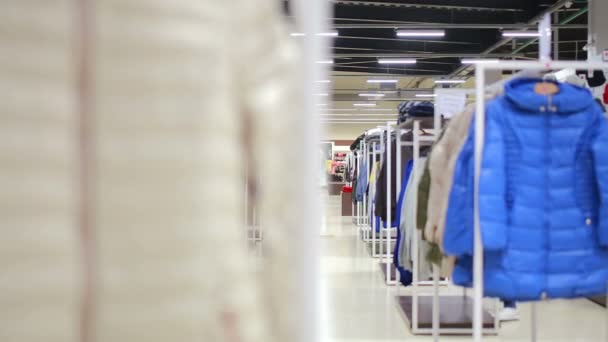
(543, 196)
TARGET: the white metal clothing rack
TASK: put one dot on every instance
(416, 143)
(371, 146)
(388, 263)
(376, 231)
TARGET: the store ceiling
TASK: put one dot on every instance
(473, 29)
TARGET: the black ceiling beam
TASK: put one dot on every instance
(407, 47)
(462, 5)
(392, 71)
(424, 25)
(429, 15)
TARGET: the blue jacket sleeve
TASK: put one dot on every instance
(600, 160)
(493, 211)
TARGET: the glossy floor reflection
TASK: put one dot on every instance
(357, 306)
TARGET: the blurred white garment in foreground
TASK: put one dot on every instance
(125, 127)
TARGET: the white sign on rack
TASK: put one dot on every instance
(450, 102)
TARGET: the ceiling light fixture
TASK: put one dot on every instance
(420, 33)
(323, 34)
(425, 95)
(382, 81)
(396, 61)
(328, 34)
(323, 81)
(360, 115)
(449, 81)
(371, 95)
(322, 94)
(325, 62)
(351, 119)
(345, 109)
(520, 34)
(364, 104)
(478, 61)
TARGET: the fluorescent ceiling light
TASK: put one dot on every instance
(420, 33)
(382, 81)
(371, 95)
(350, 122)
(478, 61)
(360, 115)
(449, 81)
(322, 94)
(321, 104)
(325, 62)
(323, 81)
(364, 104)
(346, 109)
(520, 34)
(323, 34)
(362, 120)
(425, 95)
(396, 61)
(380, 109)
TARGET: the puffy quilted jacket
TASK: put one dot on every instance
(543, 196)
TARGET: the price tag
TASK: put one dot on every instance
(450, 103)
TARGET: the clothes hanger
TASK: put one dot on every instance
(546, 88)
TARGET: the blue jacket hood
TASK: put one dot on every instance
(569, 99)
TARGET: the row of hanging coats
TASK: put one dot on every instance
(543, 196)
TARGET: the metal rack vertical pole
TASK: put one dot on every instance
(399, 177)
(357, 208)
(415, 251)
(389, 220)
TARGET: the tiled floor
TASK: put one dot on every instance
(357, 306)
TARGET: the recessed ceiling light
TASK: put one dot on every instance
(425, 95)
(420, 33)
(478, 61)
(371, 95)
(326, 62)
(382, 81)
(323, 81)
(396, 61)
(449, 81)
(364, 104)
(520, 34)
(322, 94)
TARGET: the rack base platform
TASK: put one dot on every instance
(455, 314)
(392, 270)
(380, 247)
